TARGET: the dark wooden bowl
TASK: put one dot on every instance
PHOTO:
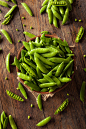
(58, 89)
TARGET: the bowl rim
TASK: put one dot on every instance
(58, 89)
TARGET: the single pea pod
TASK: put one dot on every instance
(62, 106)
(26, 7)
(5, 123)
(44, 90)
(12, 123)
(57, 81)
(80, 34)
(3, 3)
(28, 61)
(24, 76)
(45, 2)
(65, 79)
(16, 62)
(55, 21)
(10, 11)
(52, 89)
(8, 62)
(43, 9)
(49, 79)
(47, 84)
(43, 80)
(1, 126)
(55, 8)
(39, 74)
(59, 3)
(39, 50)
(61, 9)
(13, 1)
(7, 20)
(39, 102)
(32, 85)
(50, 54)
(44, 121)
(6, 35)
(82, 91)
(50, 16)
(26, 45)
(29, 34)
(22, 70)
(3, 116)
(14, 96)
(65, 18)
(59, 70)
(22, 90)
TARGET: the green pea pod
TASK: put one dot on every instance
(65, 18)
(82, 91)
(50, 16)
(59, 3)
(1, 127)
(43, 9)
(45, 2)
(32, 85)
(26, 45)
(43, 80)
(63, 43)
(37, 44)
(57, 81)
(48, 78)
(3, 3)
(59, 70)
(7, 20)
(13, 1)
(47, 84)
(80, 34)
(3, 116)
(16, 62)
(39, 74)
(26, 7)
(65, 79)
(5, 123)
(50, 54)
(39, 50)
(6, 35)
(12, 123)
(44, 121)
(53, 89)
(55, 21)
(71, 1)
(10, 11)
(44, 90)
(22, 70)
(24, 76)
(69, 71)
(44, 32)
(39, 102)
(62, 106)
(55, 8)
(29, 34)
(28, 61)
(14, 96)
(8, 62)
(37, 40)
(61, 9)
(56, 14)
(22, 90)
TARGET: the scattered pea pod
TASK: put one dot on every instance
(14, 96)
(3, 3)
(8, 62)
(24, 76)
(44, 121)
(7, 20)
(80, 34)
(29, 34)
(12, 123)
(82, 91)
(39, 102)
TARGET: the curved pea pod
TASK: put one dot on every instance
(43, 80)
(5, 123)
(28, 69)
(50, 16)
(57, 81)
(8, 62)
(59, 70)
(65, 79)
(62, 106)
(28, 61)
(39, 50)
(47, 84)
(69, 71)
(50, 54)
(38, 72)
(26, 7)
(31, 45)
(10, 11)
(3, 116)
(24, 76)
(62, 48)
(44, 60)
(49, 79)
(6, 35)
(45, 2)
(44, 90)
(7, 20)
(14, 96)
(65, 18)
(56, 14)
(59, 3)
(55, 21)
(3, 3)
(13, 1)
(82, 91)
(40, 65)
(44, 121)
(63, 43)
(32, 85)
(80, 34)
(29, 34)
(16, 62)
(61, 9)
(26, 45)
(43, 9)
(39, 102)
(12, 123)
(22, 90)
(38, 44)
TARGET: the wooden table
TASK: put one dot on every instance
(74, 116)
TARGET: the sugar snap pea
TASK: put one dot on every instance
(62, 106)
(65, 18)
(3, 3)
(8, 62)
(39, 102)
(61, 9)
(47, 84)
(50, 16)
(29, 34)
(64, 79)
(44, 32)
(26, 45)
(57, 81)
(28, 61)
(6, 35)
(59, 70)
(80, 34)
(1, 126)
(55, 8)
(82, 91)
(26, 7)
(44, 121)
(45, 2)
(16, 62)
(12, 123)
(44, 90)
(13, 1)
(7, 20)
(5, 123)
(55, 21)
(3, 116)
(14, 96)
(24, 76)
(59, 3)
(43, 9)
(22, 90)
(10, 11)
(38, 72)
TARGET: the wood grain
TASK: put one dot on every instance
(74, 116)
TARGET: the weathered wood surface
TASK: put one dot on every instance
(74, 116)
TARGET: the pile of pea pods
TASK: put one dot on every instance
(57, 9)
(45, 64)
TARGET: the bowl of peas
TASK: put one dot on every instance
(47, 64)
